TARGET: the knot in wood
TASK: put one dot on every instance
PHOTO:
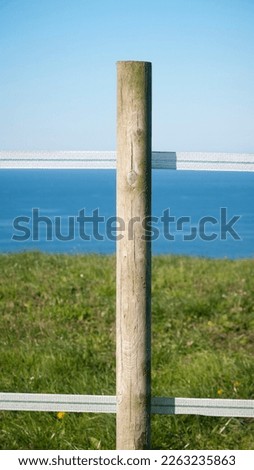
(132, 177)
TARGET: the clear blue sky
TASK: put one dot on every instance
(58, 72)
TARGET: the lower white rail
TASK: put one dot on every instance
(107, 404)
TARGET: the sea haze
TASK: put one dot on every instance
(190, 194)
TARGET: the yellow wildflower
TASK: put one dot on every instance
(60, 414)
(220, 391)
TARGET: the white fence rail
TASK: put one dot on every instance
(107, 404)
(107, 160)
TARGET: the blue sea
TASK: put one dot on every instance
(211, 213)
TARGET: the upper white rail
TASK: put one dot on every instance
(205, 161)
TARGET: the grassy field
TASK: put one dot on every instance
(57, 335)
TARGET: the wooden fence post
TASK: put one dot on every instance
(133, 352)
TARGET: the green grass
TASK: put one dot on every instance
(57, 335)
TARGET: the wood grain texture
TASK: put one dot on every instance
(134, 256)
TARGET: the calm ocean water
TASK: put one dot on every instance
(194, 195)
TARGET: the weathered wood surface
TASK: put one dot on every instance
(133, 369)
